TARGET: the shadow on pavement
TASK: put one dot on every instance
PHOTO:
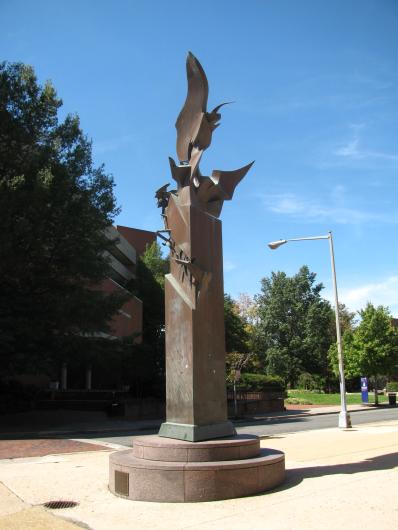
(378, 463)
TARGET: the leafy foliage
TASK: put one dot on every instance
(153, 261)
(236, 334)
(149, 287)
(371, 349)
(293, 325)
(261, 383)
(375, 343)
(311, 382)
(235, 361)
(55, 206)
(392, 386)
(347, 320)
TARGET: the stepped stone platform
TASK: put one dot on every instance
(168, 470)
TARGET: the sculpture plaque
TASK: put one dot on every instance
(196, 401)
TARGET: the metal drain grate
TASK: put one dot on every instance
(60, 505)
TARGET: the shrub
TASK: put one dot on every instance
(261, 383)
(16, 397)
(392, 386)
(312, 382)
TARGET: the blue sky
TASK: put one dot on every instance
(316, 106)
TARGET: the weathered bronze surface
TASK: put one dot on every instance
(196, 403)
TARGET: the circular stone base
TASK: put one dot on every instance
(186, 477)
(170, 450)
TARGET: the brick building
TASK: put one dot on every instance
(129, 243)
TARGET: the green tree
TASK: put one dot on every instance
(149, 287)
(371, 349)
(236, 334)
(55, 206)
(347, 320)
(292, 326)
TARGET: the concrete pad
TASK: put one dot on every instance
(335, 444)
(35, 519)
(9, 502)
(335, 478)
(80, 477)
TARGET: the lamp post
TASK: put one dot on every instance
(344, 417)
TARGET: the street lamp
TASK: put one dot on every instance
(344, 417)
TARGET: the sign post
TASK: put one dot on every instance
(364, 390)
(236, 378)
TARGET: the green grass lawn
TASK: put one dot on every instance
(303, 397)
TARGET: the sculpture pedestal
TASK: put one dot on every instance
(166, 470)
(194, 433)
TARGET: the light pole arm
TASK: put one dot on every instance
(308, 238)
(273, 245)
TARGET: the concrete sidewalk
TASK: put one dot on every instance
(334, 478)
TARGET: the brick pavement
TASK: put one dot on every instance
(43, 447)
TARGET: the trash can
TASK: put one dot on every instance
(392, 399)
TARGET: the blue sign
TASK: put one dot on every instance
(364, 389)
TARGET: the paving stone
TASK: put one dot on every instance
(27, 448)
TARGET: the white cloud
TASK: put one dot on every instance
(330, 91)
(353, 150)
(379, 293)
(350, 150)
(285, 204)
(328, 210)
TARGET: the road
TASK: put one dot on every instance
(273, 426)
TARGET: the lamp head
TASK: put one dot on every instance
(275, 244)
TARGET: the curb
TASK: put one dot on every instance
(305, 412)
(36, 434)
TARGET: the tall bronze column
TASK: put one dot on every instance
(196, 401)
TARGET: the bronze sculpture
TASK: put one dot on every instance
(197, 456)
(196, 404)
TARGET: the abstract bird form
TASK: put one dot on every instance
(195, 127)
